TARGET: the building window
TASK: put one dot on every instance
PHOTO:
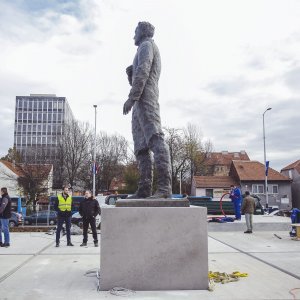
(19, 116)
(274, 189)
(209, 192)
(257, 188)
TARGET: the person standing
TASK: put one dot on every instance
(5, 214)
(89, 208)
(248, 208)
(236, 198)
(63, 206)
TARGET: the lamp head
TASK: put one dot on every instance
(95, 105)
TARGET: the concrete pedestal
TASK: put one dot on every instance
(154, 248)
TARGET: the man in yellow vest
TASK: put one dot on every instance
(63, 206)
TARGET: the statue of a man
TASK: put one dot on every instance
(143, 76)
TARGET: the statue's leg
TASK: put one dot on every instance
(163, 166)
(145, 166)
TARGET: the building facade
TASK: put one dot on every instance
(250, 176)
(293, 172)
(39, 124)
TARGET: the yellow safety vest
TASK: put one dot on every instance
(64, 204)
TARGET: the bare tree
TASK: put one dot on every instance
(74, 151)
(111, 156)
(196, 149)
(178, 155)
(188, 153)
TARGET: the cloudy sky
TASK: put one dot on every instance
(223, 64)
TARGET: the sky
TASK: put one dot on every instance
(223, 64)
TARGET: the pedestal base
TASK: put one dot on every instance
(154, 248)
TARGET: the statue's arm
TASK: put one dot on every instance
(145, 59)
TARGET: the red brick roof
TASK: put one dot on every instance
(225, 158)
(294, 165)
(255, 171)
(13, 167)
(32, 168)
(213, 181)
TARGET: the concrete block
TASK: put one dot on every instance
(154, 248)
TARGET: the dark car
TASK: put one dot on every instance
(16, 219)
(41, 217)
(111, 199)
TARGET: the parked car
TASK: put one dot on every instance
(111, 199)
(41, 217)
(77, 220)
(16, 219)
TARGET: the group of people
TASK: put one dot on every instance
(89, 209)
(247, 208)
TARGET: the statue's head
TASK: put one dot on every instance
(142, 31)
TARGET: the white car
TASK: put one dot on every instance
(77, 219)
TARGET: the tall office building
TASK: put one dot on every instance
(39, 120)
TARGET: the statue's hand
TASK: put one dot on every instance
(127, 106)
(129, 72)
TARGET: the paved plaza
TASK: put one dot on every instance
(33, 268)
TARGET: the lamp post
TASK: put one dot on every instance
(94, 156)
(265, 160)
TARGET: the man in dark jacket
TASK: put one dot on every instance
(89, 208)
(5, 214)
(248, 208)
(63, 206)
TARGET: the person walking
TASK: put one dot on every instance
(236, 198)
(248, 208)
(89, 208)
(63, 206)
(5, 214)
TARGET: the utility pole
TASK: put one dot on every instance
(94, 156)
(265, 159)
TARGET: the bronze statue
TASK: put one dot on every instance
(143, 76)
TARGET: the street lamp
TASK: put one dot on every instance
(265, 160)
(94, 158)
